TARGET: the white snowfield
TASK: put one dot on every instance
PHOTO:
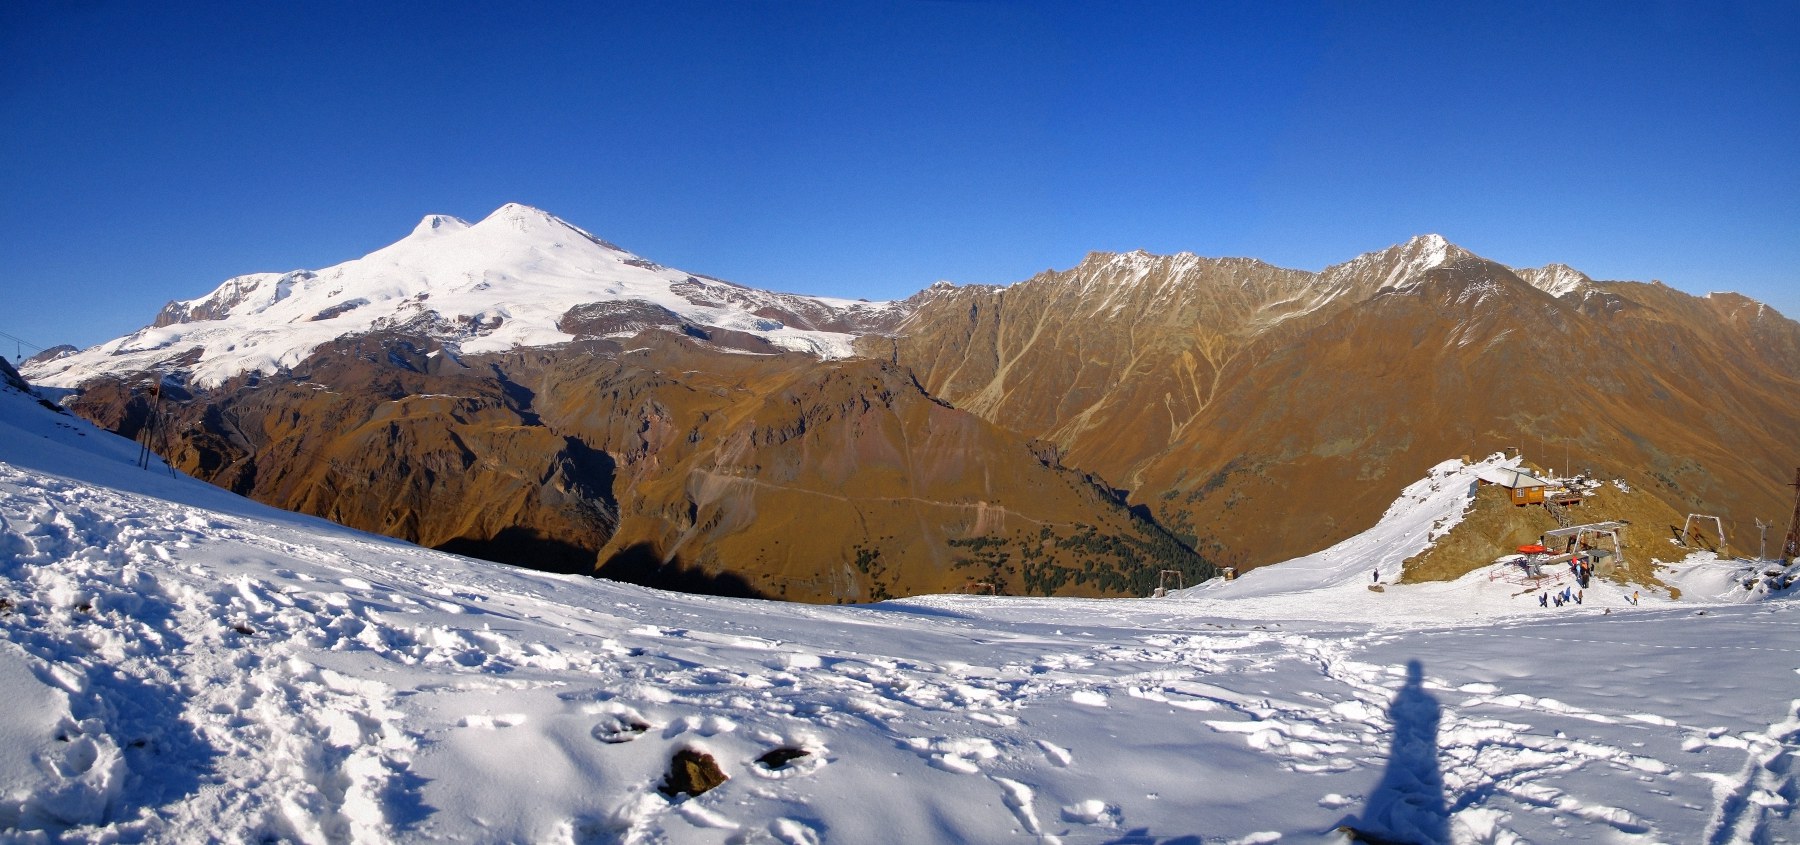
(181, 665)
(501, 283)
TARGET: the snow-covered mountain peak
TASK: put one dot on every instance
(1430, 251)
(438, 224)
(522, 225)
(1398, 268)
(1432, 243)
(506, 281)
(524, 218)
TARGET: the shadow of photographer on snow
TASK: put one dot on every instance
(1407, 805)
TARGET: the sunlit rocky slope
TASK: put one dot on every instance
(1264, 413)
(522, 390)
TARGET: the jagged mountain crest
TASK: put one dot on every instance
(1257, 421)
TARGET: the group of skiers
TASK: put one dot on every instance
(1582, 568)
(1568, 595)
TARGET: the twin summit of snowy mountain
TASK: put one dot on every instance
(520, 277)
(181, 664)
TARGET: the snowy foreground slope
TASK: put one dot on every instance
(179, 664)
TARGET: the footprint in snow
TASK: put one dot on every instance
(702, 725)
(491, 721)
(792, 832)
(961, 755)
(620, 727)
(1019, 799)
(795, 660)
(1058, 755)
(1092, 811)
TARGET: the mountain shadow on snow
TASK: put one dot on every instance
(640, 564)
(525, 547)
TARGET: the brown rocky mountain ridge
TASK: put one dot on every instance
(1265, 413)
(1248, 414)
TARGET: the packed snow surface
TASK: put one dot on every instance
(490, 286)
(178, 664)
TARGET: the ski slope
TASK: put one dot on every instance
(179, 664)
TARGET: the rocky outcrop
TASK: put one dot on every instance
(11, 378)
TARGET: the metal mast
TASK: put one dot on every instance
(1791, 549)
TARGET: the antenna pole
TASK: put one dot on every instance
(148, 432)
(1791, 548)
(143, 438)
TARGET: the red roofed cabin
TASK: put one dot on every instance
(1523, 487)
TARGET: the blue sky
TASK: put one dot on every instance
(868, 149)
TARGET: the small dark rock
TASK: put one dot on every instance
(1367, 837)
(692, 773)
(780, 757)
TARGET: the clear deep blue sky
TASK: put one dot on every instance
(149, 151)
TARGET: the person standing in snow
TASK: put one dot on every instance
(1375, 576)
(1543, 599)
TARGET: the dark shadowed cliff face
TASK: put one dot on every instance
(662, 461)
(1266, 413)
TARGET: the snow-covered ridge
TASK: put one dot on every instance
(1425, 511)
(1554, 279)
(503, 282)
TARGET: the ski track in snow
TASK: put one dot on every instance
(184, 674)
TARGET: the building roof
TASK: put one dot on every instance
(1511, 478)
(1573, 530)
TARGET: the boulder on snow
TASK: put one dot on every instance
(692, 772)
